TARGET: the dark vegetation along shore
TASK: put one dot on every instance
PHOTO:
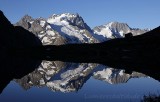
(22, 52)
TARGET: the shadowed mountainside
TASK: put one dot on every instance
(11, 65)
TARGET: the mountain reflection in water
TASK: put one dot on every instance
(69, 77)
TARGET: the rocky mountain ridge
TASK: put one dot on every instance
(68, 28)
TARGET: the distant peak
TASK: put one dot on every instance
(115, 23)
(27, 18)
(41, 18)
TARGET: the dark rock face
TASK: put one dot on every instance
(12, 41)
(17, 36)
(128, 35)
(26, 38)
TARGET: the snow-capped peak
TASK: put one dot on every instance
(58, 19)
(111, 28)
(67, 18)
(71, 27)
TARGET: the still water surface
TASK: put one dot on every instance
(77, 82)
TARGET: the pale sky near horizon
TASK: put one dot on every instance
(136, 13)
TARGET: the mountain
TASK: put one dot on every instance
(115, 30)
(12, 40)
(59, 29)
(68, 28)
(42, 30)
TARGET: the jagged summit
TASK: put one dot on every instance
(27, 18)
(68, 19)
(25, 22)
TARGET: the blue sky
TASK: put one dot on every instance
(137, 13)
